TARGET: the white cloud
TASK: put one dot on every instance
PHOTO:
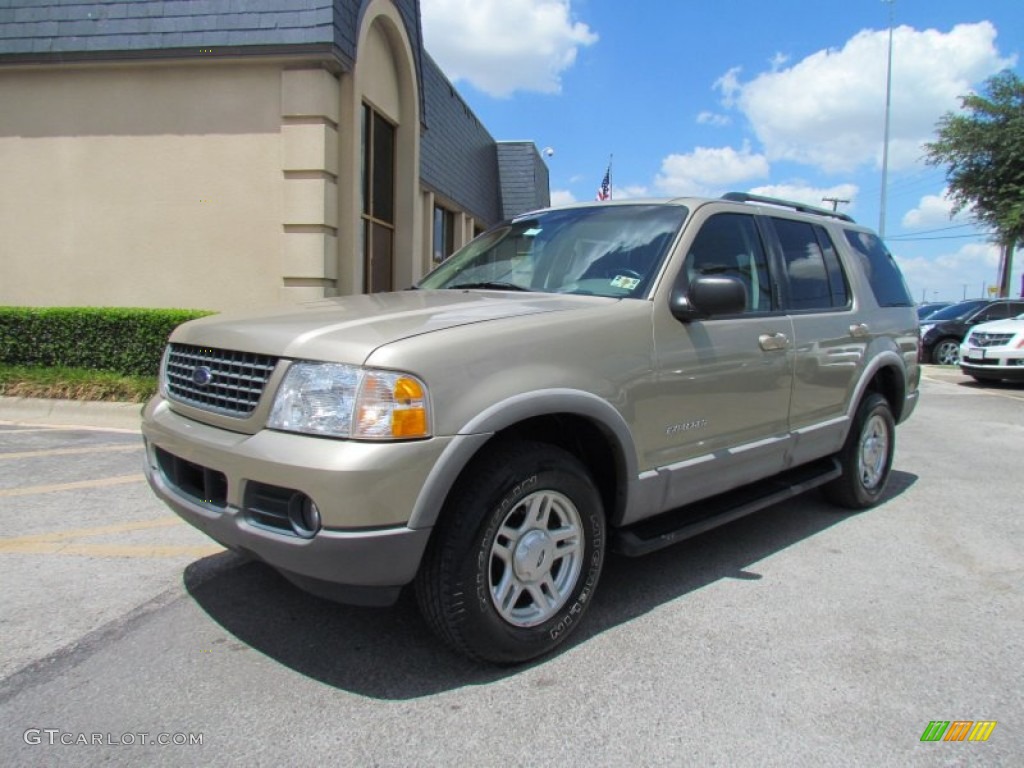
(933, 211)
(562, 197)
(949, 276)
(729, 85)
(778, 61)
(827, 110)
(709, 171)
(502, 46)
(804, 193)
(713, 118)
(630, 192)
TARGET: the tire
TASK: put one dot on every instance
(946, 352)
(516, 556)
(866, 457)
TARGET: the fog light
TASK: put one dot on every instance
(304, 515)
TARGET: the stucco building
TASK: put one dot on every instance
(222, 154)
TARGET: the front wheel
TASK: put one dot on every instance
(514, 560)
(866, 457)
(946, 352)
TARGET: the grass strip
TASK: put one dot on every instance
(74, 384)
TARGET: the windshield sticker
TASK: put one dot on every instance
(621, 281)
(532, 232)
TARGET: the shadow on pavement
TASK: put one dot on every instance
(389, 653)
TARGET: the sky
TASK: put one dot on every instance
(777, 97)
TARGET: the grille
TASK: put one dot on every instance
(217, 380)
(982, 339)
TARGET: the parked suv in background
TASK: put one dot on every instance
(620, 375)
(943, 331)
(995, 351)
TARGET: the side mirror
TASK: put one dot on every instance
(707, 297)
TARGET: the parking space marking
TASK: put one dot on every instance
(71, 451)
(60, 542)
(24, 426)
(97, 530)
(104, 482)
(108, 550)
(5, 430)
(953, 380)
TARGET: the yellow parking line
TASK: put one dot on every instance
(19, 431)
(107, 550)
(104, 482)
(71, 451)
(57, 542)
(98, 530)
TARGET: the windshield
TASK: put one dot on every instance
(612, 251)
(956, 311)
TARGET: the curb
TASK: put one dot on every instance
(70, 413)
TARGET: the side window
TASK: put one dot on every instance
(837, 283)
(1016, 308)
(729, 244)
(880, 268)
(997, 311)
(806, 273)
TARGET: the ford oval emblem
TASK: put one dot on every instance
(202, 376)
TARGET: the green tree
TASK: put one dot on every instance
(982, 147)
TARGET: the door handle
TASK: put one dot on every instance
(859, 330)
(773, 341)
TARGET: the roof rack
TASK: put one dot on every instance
(746, 197)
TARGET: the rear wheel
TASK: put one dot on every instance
(866, 457)
(515, 559)
(946, 352)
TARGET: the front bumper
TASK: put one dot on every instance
(994, 370)
(995, 363)
(363, 553)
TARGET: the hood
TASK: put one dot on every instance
(348, 328)
(1012, 325)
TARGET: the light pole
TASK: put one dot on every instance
(885, 142)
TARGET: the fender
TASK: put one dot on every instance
(878, 361)
(506, 413)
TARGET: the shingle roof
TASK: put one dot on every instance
(67, 29)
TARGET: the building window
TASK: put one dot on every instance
(444, 234)
(378, 210)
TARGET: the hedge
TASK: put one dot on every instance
(121, 340)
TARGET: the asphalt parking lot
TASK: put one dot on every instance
(797, 636)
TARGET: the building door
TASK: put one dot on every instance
(378, 201)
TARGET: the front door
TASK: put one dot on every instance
(723, 385)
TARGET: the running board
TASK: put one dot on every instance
(679, 524)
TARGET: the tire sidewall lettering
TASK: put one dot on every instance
(496, 518)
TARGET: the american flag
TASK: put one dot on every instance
(604, 192)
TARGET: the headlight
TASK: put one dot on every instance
(926, 328)
(349, 401)
(161, 380)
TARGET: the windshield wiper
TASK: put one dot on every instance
(493, 285)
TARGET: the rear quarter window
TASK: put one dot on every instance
(880, 268)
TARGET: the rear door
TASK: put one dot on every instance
(829, 342)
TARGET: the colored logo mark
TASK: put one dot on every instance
(958, 730)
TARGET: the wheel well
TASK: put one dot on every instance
(584, 439)
(888, 382)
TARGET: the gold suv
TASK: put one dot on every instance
(618, 375)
